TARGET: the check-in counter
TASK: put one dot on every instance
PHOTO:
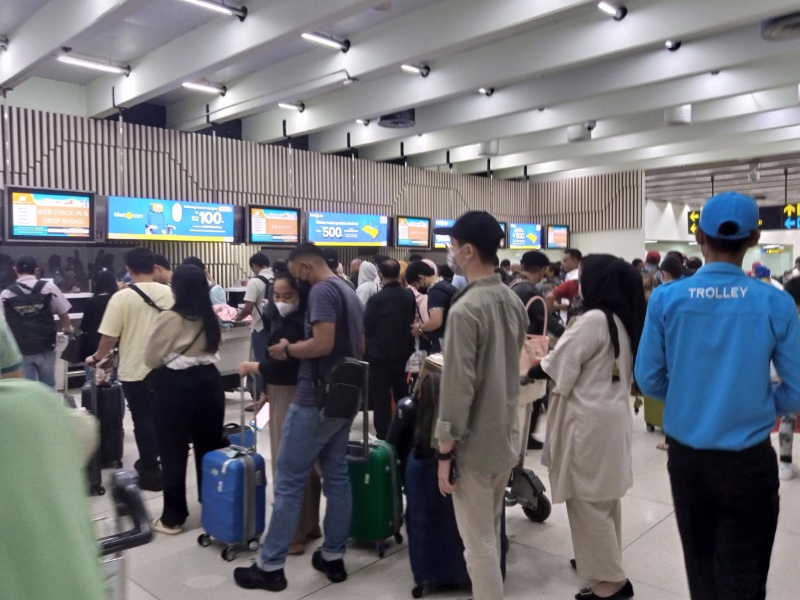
(235, 296)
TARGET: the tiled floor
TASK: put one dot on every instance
(177, 568)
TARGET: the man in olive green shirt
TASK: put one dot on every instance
(478, 423)
(10, 357)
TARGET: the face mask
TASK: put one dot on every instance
(423, 289)
(451, 261)
(285, 309)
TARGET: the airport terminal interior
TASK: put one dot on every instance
(221, 128)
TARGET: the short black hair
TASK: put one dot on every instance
(140, 261)
(25, 265)
(637, 262)
(793, 288)
(194, 261)
(162, 261)
(534, 261)
(727, 246)
(390, 269)
(379, 258)
(574, 253)
(306, 249)
(104, 283)
(259, 259)
(418, 269)
(672, 265)
(280, 267)
(694, 263)
(676, 254)
(418, 257)
(445, 271)
(505, 263)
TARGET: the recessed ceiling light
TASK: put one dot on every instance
(363, 122)
(221, 8)
(717, 72)
(672, 45)
(326, 40)
(94, 64)
(423, 70)
(486, 91)
(209, 88)
(617, 11)
(298, 106)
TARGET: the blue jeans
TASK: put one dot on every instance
(40, 367)
(259, 341)
(307, 437)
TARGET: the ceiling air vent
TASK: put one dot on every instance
(781, 28)
(399, 120)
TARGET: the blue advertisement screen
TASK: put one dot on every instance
(441, 241)
(505, 232)
(344, 229)
(169, 220)
(526, 236)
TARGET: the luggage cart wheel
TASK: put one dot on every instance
(651, 428)
(204, 540)
(252, 545)
(541, 512)
(381, 547)
(417, 591)
(228, 554)
(98, 491)
(398, 537)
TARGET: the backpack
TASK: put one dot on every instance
(30, 318)
(265, 300)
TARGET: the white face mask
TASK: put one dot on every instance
(451, 261)
(285, 309)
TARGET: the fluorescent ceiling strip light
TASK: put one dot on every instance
(209, 88)
(344, 46)
(221, 8)
(93, 64)
(612, 10)
(298, 106)
(411, 69)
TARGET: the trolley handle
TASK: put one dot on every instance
(127, 502)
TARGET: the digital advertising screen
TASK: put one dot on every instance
(274, 226)
(49, 215)
(557, 237)
(412, 232)
(504, 227)
(169, 220)
(525, 236)
(440, 241)
(345, 229)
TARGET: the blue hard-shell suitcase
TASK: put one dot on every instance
(233, 494)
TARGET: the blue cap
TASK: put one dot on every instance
(737, 212)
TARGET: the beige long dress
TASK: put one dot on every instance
(589, 421)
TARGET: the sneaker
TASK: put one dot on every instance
(161, 528)
(334, 569)
(253, 578)
(787, 471)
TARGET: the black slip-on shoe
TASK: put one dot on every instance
(253, 578)
(625, 592)
(334, 569)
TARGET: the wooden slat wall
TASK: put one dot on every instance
(114, 158)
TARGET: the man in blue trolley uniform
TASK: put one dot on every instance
(706, 349)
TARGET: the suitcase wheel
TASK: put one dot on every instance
(252, 545)
(418, 591)
(98, 490)
(651, 428)
(541, 512)
(228, 554)
(398, 537)
(381, 548)
(204, 540)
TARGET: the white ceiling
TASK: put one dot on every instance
(553, 64)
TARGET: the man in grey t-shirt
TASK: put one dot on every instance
(335, 329)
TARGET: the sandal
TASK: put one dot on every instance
(663, 446)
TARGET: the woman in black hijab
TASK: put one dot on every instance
(589, 423)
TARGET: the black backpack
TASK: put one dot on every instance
(30, 318)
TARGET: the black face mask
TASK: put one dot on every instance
(423, 289)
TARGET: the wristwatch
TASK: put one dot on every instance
(443, 455)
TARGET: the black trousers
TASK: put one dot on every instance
(386, 380)
(139, 395)
(190, 405)
(726, 504)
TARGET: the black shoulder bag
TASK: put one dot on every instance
(147, 299)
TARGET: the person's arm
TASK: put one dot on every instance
(110, 328)
(786, 359)
(66, 324)
(161, 340)
(550, 300)
(564, 364)
(321, 344)
(107, 344)
(60, 306)
(245, 311)
(434, 322)
(650, 370)
(251, 295)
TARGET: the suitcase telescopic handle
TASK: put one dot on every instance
(242, 430)
(127, 502)
(365, 409)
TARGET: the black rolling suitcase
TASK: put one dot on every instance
(109, 408)
(94, 473)
(401, 429)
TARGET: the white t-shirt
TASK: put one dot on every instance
(131, 319)
(256, 292)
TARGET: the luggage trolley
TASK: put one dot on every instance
(127, 504)
(524, 486)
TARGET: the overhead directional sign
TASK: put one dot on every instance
(694, 220)
(791, 212)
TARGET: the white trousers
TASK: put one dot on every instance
(596, 529)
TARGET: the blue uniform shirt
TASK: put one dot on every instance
(706, 349)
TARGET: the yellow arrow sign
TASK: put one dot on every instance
(694, 216)
(789, 209)
(693, 228)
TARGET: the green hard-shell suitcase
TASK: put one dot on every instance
(376, 490)
(653, 413)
